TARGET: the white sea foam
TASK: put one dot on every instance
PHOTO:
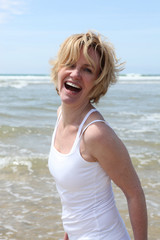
(154, 117)
(21, 81)
(9, 227)
(133, 76)
(24, 77)
(18, 159)
(139, 79)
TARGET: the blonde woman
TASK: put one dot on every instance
(86, 154)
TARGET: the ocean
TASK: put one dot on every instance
(30, 208)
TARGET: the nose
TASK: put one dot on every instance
(75, 73)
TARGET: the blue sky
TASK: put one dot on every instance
(32, 30)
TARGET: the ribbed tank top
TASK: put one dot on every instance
(88, 207)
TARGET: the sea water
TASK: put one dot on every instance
(29, 204)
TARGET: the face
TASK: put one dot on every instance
(76, 81)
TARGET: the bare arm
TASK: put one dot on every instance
(66, 236)
(138, 215)
(105, 147)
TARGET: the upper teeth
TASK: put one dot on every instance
(72, 85)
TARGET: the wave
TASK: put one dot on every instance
(140, 78)
(23, 160)
(21, 81)
(23, 76)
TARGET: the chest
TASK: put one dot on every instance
(65, 139)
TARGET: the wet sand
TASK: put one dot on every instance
(31, 209)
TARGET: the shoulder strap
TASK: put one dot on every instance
(59, 115)
(84, 120)
(80, 128)
(56, 125)
(87, 115)
(98, 120)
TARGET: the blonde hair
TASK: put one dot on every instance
(69, 53)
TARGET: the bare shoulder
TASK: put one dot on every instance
(102, 134)
(102, 142)
(106, 147)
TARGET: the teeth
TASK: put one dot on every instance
(72, 85)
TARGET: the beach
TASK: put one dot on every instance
(30, 206)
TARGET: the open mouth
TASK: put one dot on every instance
(72, 87)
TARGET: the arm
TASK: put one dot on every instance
(66, 236)
(105, 147)
(138, 215)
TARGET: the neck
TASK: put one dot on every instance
(74, 115)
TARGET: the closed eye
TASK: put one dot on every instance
(87, 70)
(71, 66)
(84, 68)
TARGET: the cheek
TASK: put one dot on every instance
(90, 82)
(60, 77)
(62, 74)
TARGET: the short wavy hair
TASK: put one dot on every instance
(69, 53)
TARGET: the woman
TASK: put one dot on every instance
(86, 154)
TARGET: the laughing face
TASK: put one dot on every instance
(76, 81)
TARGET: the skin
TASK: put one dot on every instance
(66, 236)
(99, 142)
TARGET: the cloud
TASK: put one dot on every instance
(9, 8)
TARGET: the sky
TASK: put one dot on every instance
(31, 32)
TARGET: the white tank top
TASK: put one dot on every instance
(88, 207)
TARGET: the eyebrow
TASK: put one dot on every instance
(88, 65)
